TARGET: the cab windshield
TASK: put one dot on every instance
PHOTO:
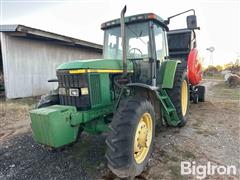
(137, 42)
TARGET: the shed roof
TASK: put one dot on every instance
(33, 33)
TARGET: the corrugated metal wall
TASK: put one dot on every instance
(28, 64)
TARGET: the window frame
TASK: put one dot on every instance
(151, 52)
(164, 40)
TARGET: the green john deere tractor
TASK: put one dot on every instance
(136, 86)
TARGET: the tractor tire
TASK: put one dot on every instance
(130, 143)
(180, 94)
(201, 93)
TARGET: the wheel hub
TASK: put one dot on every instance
(143, 137)
(184, 97)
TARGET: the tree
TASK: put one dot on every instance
(219, 68)
(211, 70)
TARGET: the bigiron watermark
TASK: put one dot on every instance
(202, 171)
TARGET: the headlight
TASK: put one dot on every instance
(62, 91)
(84, 91)
(73, 92)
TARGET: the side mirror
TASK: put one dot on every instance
(192, 22)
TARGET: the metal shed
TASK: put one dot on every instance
(29, 57)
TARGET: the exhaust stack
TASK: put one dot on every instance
(123, 35)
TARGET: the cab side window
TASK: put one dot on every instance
(160, 42)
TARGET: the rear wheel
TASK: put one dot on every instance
(130, 142)
(179, 94)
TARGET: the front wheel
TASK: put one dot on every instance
(130, 142)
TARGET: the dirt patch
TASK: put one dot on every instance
(211, 134)
(14, 116)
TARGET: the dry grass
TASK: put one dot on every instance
(14, 116)
(222, 90)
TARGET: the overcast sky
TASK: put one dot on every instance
(219, 19)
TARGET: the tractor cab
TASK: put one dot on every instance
(146, 44)
(141, 32)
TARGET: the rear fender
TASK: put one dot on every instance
(167, 73)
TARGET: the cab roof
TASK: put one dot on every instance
(135, 18)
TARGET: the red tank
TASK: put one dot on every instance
(194, 67)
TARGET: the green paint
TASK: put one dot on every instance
(51, 125)
(167, 73)
(96, 127)
(100, 94)
(95, 64)
(58, 125)
(168, 109)
(86, 116)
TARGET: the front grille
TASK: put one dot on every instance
(78, 81)
(95, 89)
(66, 80)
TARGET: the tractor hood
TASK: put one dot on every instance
(95, 64)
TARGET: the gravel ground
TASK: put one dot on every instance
(21, 158)
(212, 134)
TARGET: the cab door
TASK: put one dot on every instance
(160, 39)
(161, 49)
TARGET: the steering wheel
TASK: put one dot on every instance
(132, 54)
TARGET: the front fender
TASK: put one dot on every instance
(150, 92)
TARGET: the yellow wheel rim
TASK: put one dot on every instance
(143, 138)
(184, 97)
